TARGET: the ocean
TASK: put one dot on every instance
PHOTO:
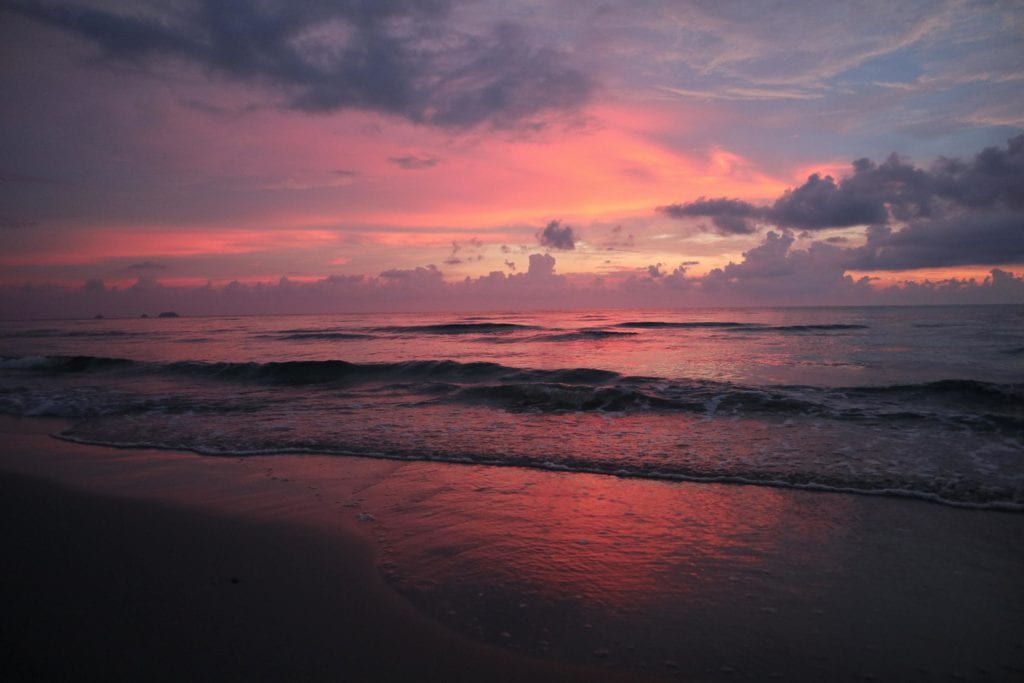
(920, 402)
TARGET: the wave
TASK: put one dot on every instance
(973, 404)
(65, 364)
(321, 336)
(953, 489)
(583, 335)
(741, 327)
(744, 327)
(812, 328)
(74, 334)
(954, 441)
(297, 373)
(954, 390)
(457, 328)
(658, 324)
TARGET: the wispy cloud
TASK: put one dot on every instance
(411, 162)
(740, 93)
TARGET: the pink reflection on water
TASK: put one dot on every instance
(595, 540)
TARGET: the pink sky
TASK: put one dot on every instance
(694, 154)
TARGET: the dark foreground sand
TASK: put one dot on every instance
(116, 587)
(148, 565)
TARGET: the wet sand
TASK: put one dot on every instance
(155, 576)
(129, 564)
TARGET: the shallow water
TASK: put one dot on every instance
(923, 402)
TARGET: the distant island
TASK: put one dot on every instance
(168, 314)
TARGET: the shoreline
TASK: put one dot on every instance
(813, 487)
(477, 572)
(131, 583)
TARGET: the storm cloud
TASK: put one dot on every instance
(398, 57)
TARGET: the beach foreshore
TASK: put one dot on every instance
(125, 565)
(144, 564)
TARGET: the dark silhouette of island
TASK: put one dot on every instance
(168, 314)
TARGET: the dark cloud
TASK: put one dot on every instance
(729, 216)
(393, 56)
(994, 176)
(504, 79)
(413, 163)
(821, 203)
(557, 236)
(876, 194)
(991, 239)
(951, 214)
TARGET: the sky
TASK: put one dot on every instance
(221, 156)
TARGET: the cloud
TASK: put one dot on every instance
(776, 272)
(821, 203)
(772, 274)
(953, 213)
(414, 163)
(994, 238)
(429, 277)
(144, 266)
(473, 246)
(399, 57)
(557, 236)
(615, 240)
(541, 266)
(729, 216)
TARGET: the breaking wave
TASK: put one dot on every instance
(983, 405)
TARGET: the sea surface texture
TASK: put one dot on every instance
(923, 402)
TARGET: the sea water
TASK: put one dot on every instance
(924, 402)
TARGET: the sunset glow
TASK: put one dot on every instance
(665, 142)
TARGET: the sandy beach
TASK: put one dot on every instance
(129, 564)
(183, 570)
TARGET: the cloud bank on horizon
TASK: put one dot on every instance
(234, 156)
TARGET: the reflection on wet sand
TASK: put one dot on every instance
(581, 566)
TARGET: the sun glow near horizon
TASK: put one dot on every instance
(672, 171)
